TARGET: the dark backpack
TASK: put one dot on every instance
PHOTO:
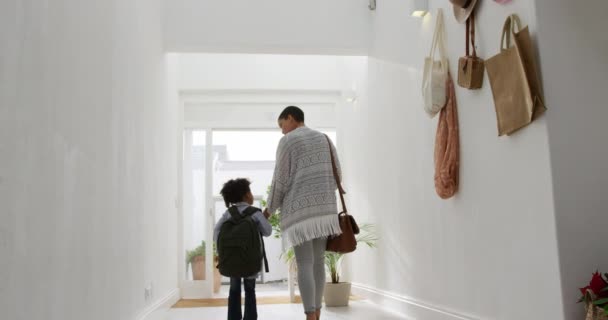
(240, 245)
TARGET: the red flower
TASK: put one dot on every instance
(596, 285)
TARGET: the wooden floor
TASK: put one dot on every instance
(201, 303)
(223, 302)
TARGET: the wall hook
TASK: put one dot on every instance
(372, 4)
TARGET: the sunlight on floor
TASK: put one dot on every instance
(358, 309)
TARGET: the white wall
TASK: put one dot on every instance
(268, 26)
(258, 71)
(574, 47)
(250, 90)
(488, 253)
(87, 165)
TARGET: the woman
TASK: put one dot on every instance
(304, 188)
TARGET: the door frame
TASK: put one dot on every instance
(324, 102)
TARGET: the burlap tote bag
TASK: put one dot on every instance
(435, 72)
(514, 79)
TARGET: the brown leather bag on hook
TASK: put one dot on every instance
(470, 67)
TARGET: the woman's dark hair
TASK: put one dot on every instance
(293, 111)
(234, 190)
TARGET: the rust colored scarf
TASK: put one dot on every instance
(447, 146)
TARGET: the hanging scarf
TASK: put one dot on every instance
(447, 146)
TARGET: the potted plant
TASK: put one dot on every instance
(288, 256)
(336, 292)
(196, 259)
(274, 219)
(595, 296)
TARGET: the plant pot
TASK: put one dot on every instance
(337, 294)
(595, 313)
(198, 268)
(217, 277)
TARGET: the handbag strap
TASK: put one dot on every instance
(434, 41)
(508, 29)
(471, 34)
(505, 39)
(335, 170)
(438, 37)
(515, 22)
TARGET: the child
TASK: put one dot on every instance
(237, 193)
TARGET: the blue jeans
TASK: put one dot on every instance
(234, 300)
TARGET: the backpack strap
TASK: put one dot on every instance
(234, 212)
(250, 211)
(264, 250)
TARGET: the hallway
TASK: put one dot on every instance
(120, 119)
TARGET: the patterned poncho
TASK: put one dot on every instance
(304, 187)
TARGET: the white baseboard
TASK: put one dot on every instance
(407, 306)
(158, 309)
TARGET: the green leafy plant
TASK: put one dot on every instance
(275, 222)
(191, 254)
(289, 255)
(333, 261)
(274, 219)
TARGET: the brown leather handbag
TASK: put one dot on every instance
(345, 242)
(470, 67)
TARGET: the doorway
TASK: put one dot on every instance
(232, 153)
(229, 105)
